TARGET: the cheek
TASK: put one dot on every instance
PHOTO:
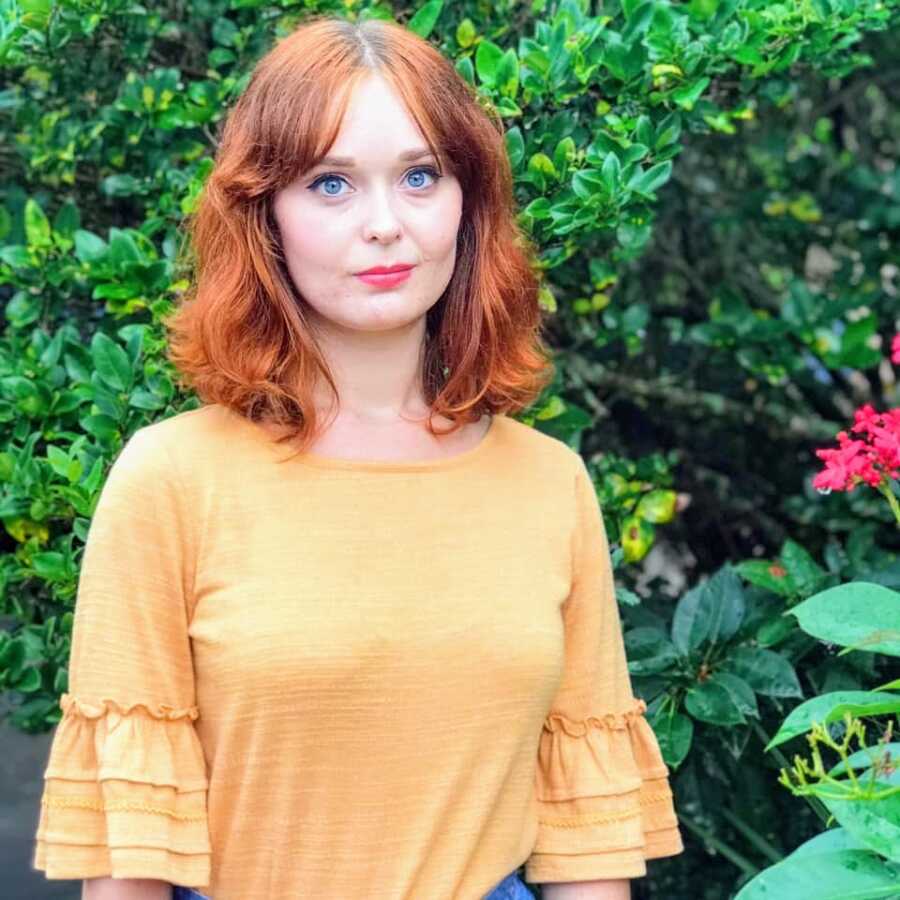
(443, 224)
(306, 234)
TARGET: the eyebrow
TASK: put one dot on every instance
(349, 162)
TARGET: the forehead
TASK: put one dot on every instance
(377, 124)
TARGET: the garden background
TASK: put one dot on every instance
(713, 186)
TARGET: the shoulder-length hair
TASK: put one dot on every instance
(240, 336)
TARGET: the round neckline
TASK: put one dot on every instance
(404, 465)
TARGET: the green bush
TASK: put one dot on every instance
(714, 191)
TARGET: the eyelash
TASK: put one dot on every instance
(330, 175)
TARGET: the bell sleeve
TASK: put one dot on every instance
(125, 786)
(603, 796)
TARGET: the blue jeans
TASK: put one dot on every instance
(510, 888)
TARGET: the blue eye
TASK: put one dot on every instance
(429, 171)
(324, 179)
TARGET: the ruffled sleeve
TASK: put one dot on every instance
(125, 786)
(604, 801)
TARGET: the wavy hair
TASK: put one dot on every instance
(239, 335)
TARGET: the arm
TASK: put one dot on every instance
(125, 889)
(619, 889)
(125, 783)
(604, 805)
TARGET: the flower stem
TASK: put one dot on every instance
(885, 489)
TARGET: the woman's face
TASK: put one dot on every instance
(372, 208)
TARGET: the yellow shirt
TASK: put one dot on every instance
(348, 678)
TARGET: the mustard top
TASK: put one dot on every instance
(344, 678)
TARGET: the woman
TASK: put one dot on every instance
(388, 664)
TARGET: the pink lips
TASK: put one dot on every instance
(385, 279)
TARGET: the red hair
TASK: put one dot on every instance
(239, 336)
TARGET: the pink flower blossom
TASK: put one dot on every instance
(870, 459)
(895, 349)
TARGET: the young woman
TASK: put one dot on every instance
(389, 663)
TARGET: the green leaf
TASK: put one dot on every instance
(767, 574)
(831, 708)
(587, 182)
(712, 610)
(749, 55)
(111, 362)
(635, 153)
(67, 219)
(826, 875)
(564, 153)
(37, 225)
(804, 571)
(712, 702)
(643, 130)
(657, 506)
(124, 291)
(773, 632)
(515, 146)
(741, 692)
(508, 74)
(12, 656)
(123, 248)
(89, 247)
(59, 460)
(867, 757)
(30, 680)
(687, 95)
(487, 62)
(103, 427)
(508, 107)
(16, 256)
(767, 672)
(611, 172)
(689, 624)
(647, 181)
(834, 839)
(539, 208)
(875, 823)
(466, 69)
(50, 565)
(855, 350)
(23, 309)
(77, 365)
(639, 21)
(674, 734)
(143, 399)
(542, 163)
(466, 33)
(119, 185)
(423, 22)
(649, 651)
(858, 615)
(224, 31)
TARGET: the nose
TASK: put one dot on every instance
(382, 222)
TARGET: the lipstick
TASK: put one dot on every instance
(385, 278)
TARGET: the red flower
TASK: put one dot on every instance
(895, 349)
(870, 459)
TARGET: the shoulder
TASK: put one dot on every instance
(165, 448)
(544, 454)
(538, 445)
(183, 427)
(182, 436)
